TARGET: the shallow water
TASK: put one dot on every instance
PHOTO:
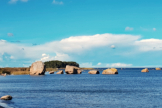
(128, 89)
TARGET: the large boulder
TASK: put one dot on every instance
(110, 71)
(94, 72)
(7, 97)
(37, 68)
(60, 72)
(72, 70)
(145, 70)
(158, 68)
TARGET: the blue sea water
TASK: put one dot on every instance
(128, 89)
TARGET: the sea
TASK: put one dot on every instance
(130, 88)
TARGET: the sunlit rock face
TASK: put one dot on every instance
(145, 70)
(72, 70)
(37, 68)
(157, 68)
(94, 72)
(7, 97)
(110, 71)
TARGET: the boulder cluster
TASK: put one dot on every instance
(39, 68)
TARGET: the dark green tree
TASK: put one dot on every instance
(59, 64)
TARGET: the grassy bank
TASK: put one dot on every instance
(51, 69)
(20, 71)
(82, 68)
(86, 68)
(14, 71)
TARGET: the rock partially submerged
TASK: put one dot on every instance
(4, 74)
(145, 70)
(37, 68)
(72, 70)
(79, 71)
(158, 68)
(51, 72)
(7, 97)
(60, 72)
(94, 72)
(110, 71)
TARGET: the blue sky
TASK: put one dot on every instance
(94, 33)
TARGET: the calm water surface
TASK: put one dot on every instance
(128, 89)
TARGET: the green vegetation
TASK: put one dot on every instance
(59, 64)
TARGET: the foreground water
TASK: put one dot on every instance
(130, 88)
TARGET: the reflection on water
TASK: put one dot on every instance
(130, 88)
(5, 104)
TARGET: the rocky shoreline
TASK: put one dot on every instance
(39, 68)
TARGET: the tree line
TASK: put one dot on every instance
(59, 64)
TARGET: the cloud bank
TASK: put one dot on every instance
(65, 49)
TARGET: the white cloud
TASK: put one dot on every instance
(80, 43)
(118, 65)
(12, 1)
(15, 1)
(58, 56)
(2, 40)
(24, 0)
(128, 28)
(73, 44)
(113, 46)
(61, 56)
(147, 29)
(154, 29)
(1, 59)
(88, 64)
(57, 2)
(11, 57)
(149, 44)
(63, 49)
(99, 63)
(10, 34)
(45, 57)
(43, 54)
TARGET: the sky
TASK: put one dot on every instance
(94, 33)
